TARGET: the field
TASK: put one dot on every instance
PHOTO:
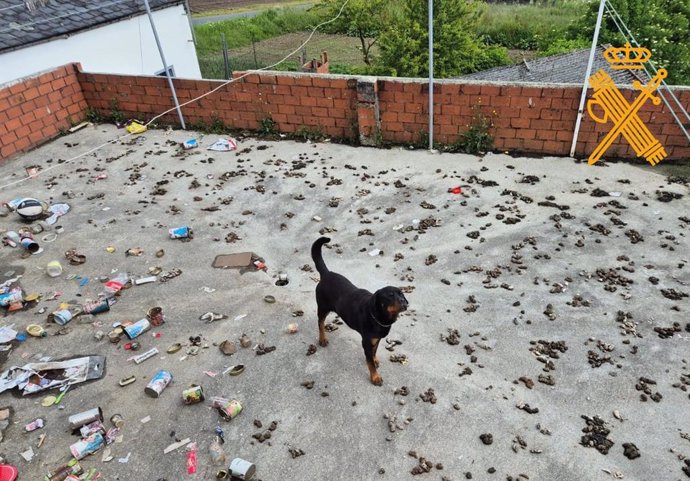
(525, 30)
(342, 51)
(211, 6)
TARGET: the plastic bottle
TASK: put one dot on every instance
(217, 452)
(191, 458)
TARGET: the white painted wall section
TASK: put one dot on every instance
(125, 47)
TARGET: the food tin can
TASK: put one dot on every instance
(117, 420)
(192, 395)
(96, 307)
(87, 446)
(155, 315)
(137, 328)
(61, 317)
(86, 417)
(242, 469)
(181, 232)
(158, 383)
(228, 408)
(30, 245)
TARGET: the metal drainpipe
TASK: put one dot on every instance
(165, 65)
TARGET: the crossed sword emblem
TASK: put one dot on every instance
(624, 116)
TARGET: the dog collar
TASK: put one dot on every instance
(377, 321)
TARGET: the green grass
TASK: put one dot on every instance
(251, 8)
(241, 32)
(528, 27)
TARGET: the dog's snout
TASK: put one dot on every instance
(403, 303)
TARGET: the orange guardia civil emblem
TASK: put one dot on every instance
(624, 115)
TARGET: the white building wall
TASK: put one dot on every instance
(125, 47)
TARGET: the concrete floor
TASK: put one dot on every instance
(472, 272)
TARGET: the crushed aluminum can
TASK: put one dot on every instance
(86, 417)
(96, 307)
(87, 446)
(192, 395)
(183, 232)
(158, 383)
(89, 429)
(34, 425)
(136, 329)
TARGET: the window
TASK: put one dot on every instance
(171, 70)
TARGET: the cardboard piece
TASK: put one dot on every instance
(229, 261)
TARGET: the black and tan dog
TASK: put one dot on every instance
(372, 315)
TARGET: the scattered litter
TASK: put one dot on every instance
(36, 377)
(176, 445)
(28, 455)
(224, 145)
(145, 420)
(125, 459)
(190, 144)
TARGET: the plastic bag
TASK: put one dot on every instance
(135, 127)
(217, 453)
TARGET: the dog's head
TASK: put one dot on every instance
(390, 302)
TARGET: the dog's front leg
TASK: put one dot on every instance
(369, 346)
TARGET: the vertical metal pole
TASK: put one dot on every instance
(431, 74)
(165, 65)
(580, 109)
(226, 62)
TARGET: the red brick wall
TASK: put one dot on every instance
(293, 102)
(525, 118)
(35, 109)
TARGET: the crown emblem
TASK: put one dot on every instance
(627, 57)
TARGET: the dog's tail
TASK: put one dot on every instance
(316, 254)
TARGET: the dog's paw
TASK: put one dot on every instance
(376, 379)
(323, 342)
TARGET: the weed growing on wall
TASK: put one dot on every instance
(477, 138)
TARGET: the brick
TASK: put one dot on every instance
(470, 89)
(555, 147)
(550, 114)
(22, 143)
(389, 117)
(528, 134)
(505, 133)
(8, 151)
(490, 90)
(533, 145)
(319, 112)
(394, 126)
(519, 123)
(546, 135)
(14, 112)
(285, 80)
(304, 80)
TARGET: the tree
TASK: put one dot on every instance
(457, 48)
(360, 18)
(662, 26)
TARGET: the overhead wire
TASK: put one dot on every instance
(125, 136)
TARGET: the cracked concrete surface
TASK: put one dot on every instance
(480, 270)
